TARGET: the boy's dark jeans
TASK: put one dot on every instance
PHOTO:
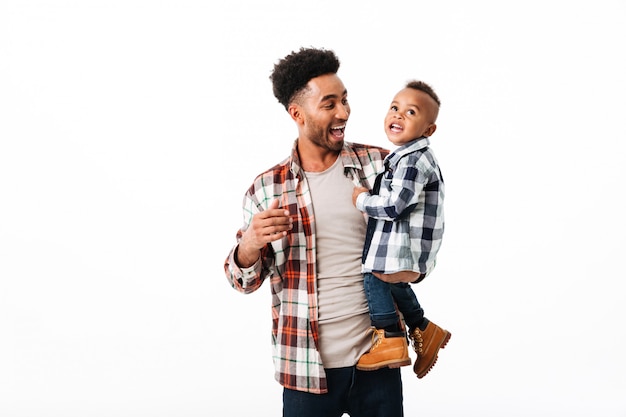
(380, 298)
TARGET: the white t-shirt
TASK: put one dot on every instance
(340, 233)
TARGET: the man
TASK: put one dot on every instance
(303, 234)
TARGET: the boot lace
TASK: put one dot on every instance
(377, 337)
(417, 341)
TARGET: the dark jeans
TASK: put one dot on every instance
(380, 298)
(357, 393)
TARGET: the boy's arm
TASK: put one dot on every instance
(405, 188)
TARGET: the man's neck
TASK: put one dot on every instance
(315, 158)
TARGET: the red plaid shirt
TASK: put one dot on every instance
(289, 263)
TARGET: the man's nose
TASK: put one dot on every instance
(343, 111)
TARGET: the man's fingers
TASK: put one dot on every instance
(273, 221)
(274, 211)
(277, 224)
(274, 204)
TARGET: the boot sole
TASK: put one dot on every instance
(442, 345)
(386, 364)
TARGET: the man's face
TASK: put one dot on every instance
(325, 111)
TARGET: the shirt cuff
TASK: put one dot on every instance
(360, 201)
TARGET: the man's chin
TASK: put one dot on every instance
(336, 145)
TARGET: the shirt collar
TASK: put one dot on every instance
(407, 148)
(348, 157)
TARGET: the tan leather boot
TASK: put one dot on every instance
(427, 344)
(389, 349)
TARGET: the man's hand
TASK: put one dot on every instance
(356, 192)
(267, 226)
(402, 276)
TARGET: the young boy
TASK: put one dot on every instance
(404, 233)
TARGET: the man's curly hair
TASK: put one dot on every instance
(292, 73)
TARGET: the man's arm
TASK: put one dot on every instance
(402, 276)
(267, 226)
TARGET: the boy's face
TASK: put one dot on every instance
(412, 114)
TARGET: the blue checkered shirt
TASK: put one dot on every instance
(406, 221)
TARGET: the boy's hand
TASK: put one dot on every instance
(356, 192)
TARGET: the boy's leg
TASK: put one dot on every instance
(383, 314)
(427, 338)
(389, 343)
(408, 304)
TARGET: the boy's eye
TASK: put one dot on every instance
(411, 112)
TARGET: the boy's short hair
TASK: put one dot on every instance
(422, 86)
(292, 73)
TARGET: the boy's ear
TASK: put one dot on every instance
(431, 129)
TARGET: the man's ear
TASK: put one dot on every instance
(295, 112)
(431, 129)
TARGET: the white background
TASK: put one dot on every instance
(130, 130)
